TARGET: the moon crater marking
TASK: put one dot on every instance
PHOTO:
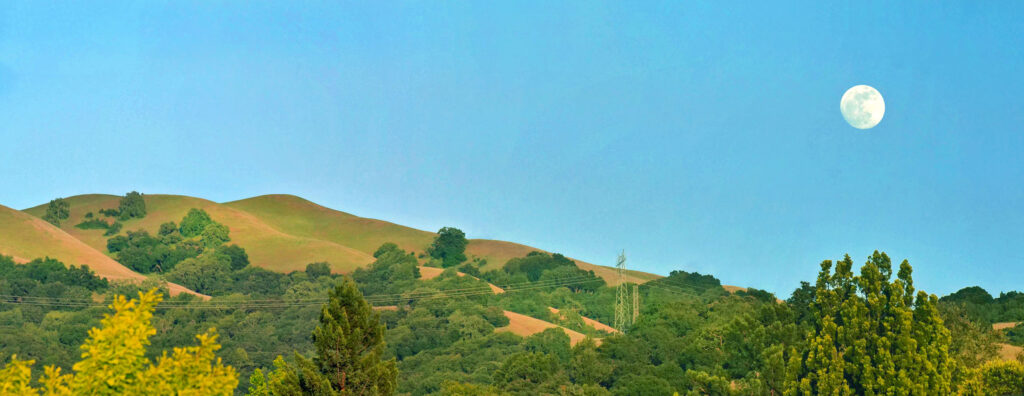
(862, 107)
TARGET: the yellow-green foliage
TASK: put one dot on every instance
(872, 336)
(996, 378)
(113, 361)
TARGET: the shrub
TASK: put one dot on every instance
(94, 224)
(113, 229)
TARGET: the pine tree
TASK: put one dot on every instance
(349, 343)
(871, 336)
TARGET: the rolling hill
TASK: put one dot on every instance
(26, 237)
(285, 232)
(267, 246)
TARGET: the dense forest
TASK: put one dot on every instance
(857, 329)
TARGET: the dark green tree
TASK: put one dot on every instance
(207, 274)
(57, 211)
(167, 228)
(239, 258)
(349, 360)
(449, 247)
(316, 270)
(132, 206)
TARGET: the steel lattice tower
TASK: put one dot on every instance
(621, 295)
(636, 303)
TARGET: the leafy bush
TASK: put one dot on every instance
(113, 229)
(94, 224)
(316, 270)
(110, 212)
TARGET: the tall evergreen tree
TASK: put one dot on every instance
(349, 343)
(872, 336)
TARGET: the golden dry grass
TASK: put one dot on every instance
(300, 217)
(1003, 325)
(1009, 352)
(590, 322)
(428, 273)
(733, 289)
(26, 236)
(526, 326)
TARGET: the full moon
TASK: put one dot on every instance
(862, 107)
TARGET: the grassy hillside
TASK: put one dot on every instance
(285, 232)
(267, 247)
(26, 237)
(298, 216)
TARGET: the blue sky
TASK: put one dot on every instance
(702, 137)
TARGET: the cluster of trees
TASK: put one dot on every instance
(349, 342)
(57, 211)
(131, 206)
(198, 241)
(113, 361)
(847, 333)
(1008, 307)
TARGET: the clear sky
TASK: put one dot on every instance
(703, 137)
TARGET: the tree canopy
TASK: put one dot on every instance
(449, 247)
(870, 335)
(349, 359)
(114, 363)
(132, 206)
(57, 211)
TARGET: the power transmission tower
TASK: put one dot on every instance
(621, 295)
(636, 302)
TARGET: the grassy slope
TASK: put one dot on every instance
(267, 247)
(527, 325)
(26, 237)
(285, 232)
(300, 217)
